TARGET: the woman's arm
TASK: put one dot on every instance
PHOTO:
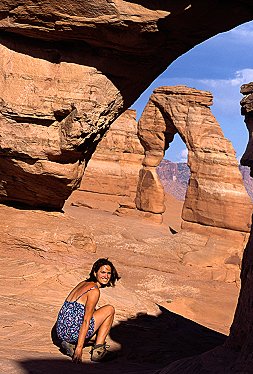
(92, 299)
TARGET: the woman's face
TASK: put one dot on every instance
(104, 275)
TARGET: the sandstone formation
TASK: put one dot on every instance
(112, 173)
(210, 238)
(217, 209)
(43, 233)
(46, 139)
(215, 186)
(241, 331)
(68, 69)
(216, 195)
(111, 178)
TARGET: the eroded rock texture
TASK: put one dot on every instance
(241, 337)
(112, 173)
(50, 115)
(216, 196)
(43, 233)
(69, 68)
(94, 54)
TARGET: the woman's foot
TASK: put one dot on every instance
(68, 348)
(99, 353)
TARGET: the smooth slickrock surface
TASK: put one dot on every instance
(164, 310)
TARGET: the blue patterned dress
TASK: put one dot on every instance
(70, 319)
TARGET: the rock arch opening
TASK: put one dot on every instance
(215, 188)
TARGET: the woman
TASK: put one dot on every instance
(78, 320)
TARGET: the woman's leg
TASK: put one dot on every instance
(103, 322)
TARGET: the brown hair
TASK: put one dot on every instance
(97, 265)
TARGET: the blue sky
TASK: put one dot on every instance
(219, 65)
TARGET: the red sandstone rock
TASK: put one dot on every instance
(67, 72)
(112, 173)
(43, 233)
(216, 195)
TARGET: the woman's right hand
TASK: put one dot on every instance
(77, 356)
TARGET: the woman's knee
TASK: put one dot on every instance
(110, 309)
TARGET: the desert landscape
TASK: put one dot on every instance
(164, 310)
(81, 179)
(172, 301)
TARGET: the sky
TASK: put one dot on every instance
(219, 65)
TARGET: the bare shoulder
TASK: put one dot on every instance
(82, 291)
(93, 288)
(89, 287)
(93, 294)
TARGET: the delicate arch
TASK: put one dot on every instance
(216, 195)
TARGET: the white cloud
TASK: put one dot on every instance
(226, 92)
(183, 156)
(241, 77)
(220, 87)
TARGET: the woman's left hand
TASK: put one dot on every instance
(77, 357)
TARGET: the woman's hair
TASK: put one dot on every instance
(97, 265)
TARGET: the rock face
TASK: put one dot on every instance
(46, 136)
(68, 69)
(216, 195)
(217, 209)
(241, 331)
(43, 233)
(118, 172)
(112, 173)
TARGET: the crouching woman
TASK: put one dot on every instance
(78, 320)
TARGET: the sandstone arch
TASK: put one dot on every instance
(216, 195)
(59, 80)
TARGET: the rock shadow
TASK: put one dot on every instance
(148, 343)
(173, 231)
(164, 338)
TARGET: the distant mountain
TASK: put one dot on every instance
(175, 176)
(248, 181)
